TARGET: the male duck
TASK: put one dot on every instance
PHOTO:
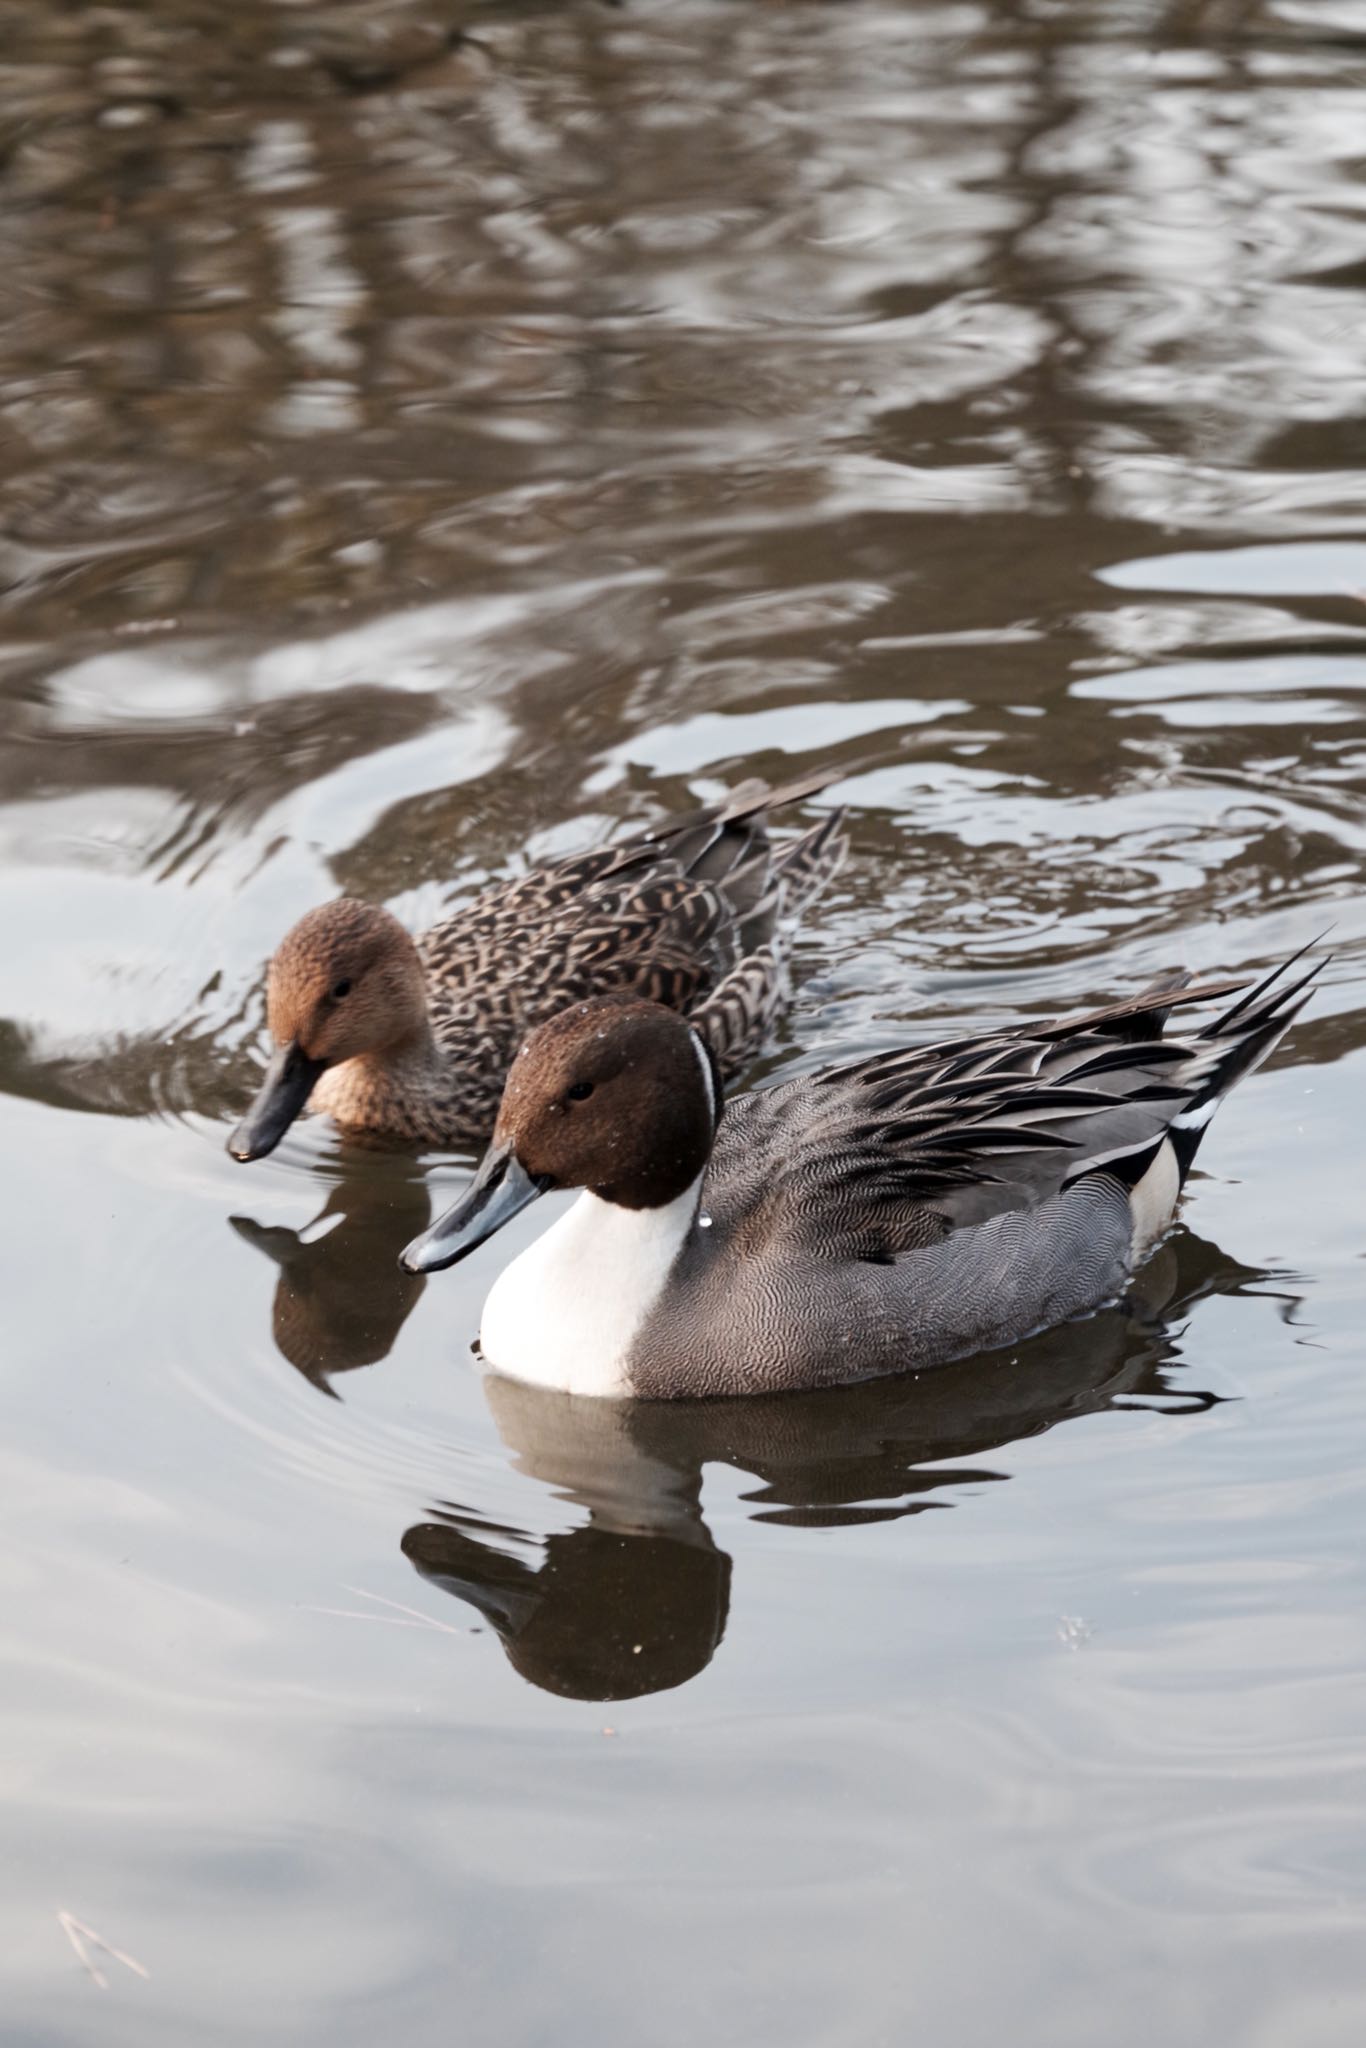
(893, 1214)
(414, 1037)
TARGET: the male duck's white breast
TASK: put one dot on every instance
(569, 1309)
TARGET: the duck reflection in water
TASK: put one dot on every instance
(340, 1296)
(635, 1599)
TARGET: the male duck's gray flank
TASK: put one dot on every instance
(413, 1036)
(897, 1213)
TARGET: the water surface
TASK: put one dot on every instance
(429, 443)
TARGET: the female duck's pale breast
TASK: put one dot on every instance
(440, 1096)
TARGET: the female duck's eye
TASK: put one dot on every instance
(580, 1091)
(340, 989)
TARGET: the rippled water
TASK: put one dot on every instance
(425, 444)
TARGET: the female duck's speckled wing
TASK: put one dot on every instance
(898, 1152)
(685, 914)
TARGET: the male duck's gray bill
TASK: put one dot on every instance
(499, 1191)
(289, 1082)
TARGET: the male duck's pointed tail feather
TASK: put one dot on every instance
(1192, 1073)
(919, 1142)
(1184, 1078)
(1247, 1032)
(1265, 998)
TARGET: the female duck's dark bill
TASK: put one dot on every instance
(289, 1082)
(499, 1191)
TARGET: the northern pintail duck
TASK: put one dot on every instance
(894, 1214)
(413, 1037)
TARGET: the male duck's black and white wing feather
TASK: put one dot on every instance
(899, 1152)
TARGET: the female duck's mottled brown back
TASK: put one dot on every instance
(413, 1037)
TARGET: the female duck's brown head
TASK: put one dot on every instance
(346, 983)
(617, 1096)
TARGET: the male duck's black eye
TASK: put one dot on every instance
(580, 1091)
(340, 989)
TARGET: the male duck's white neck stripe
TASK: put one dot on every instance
(568, 1311)
(708, 1077)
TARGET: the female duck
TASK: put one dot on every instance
(897, 1213)
(413, 1037)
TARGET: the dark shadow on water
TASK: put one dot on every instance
(635, 1599)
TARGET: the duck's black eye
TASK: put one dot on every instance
(340, 988)
(580, 1091)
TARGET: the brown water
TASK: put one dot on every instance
(417, 451)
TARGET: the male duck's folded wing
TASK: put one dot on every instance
(900, 1150)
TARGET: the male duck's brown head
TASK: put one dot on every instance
(346, 983)
(617, 1096)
